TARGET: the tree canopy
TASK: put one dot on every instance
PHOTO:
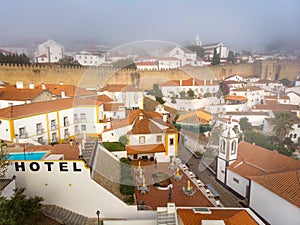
(216, 58)
(244, 124)
(3, 160)
(125, 63)
(196, 48)
(224, 87)
(14, 58)
(282, 124)
(19, 209)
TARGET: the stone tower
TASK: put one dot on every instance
(197, 40)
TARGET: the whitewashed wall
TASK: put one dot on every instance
(241, 186)
(271, 207)
(5, 130)
(8, 191)
(7, 103)
(72, 190)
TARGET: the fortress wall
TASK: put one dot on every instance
(93, 76)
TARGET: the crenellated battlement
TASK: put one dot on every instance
(98, 76)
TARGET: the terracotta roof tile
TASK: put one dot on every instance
(112, 106)
(286, 185)
(104, 98)
(70, 152)
(146, 64)
(251, 88)
(236, 98)
(70, 90)
(275, 106)
(19, 111)
(189, 82)
(230, 217)
(120, 88)
(256, 160)
(195, 117)
(143, 149)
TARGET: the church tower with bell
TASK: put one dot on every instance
(228, 146)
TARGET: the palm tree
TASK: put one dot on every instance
(282, 124)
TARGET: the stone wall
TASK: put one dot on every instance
(93, 76)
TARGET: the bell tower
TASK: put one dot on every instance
(228, 146)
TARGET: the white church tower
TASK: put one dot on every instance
(197, 40)
(228, 146)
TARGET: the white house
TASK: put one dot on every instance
(56, 120)
(149, 134)
(132, 97)
(294, 97)
(255, 95)
(49, 52)
(169, 63)
(268, 85)
(85, 58)
(149, 65)
(174, 87)
(220, 48)
(186, 56)
(235, 78)
(245, 167)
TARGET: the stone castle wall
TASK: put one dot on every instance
(91, 77)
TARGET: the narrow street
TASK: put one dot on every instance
(206, 176)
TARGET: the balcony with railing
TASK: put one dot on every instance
(53, 126)
(23, 135)
(40, 131)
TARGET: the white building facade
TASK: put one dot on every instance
(49, 52)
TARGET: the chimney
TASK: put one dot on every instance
(31, 85)
(211, 82)
(180, 82)
(43, 86)
(193, 82)
(61, 83)
(28, 101)
(165, 117)
(108, 124)
(63, 94)
(19, 85)
(204, 82)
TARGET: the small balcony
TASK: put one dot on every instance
(23, 135)
(39, 131)
(53, 127)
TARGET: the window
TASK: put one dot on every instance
(83, 127)
(83, 117)
(54, 137)
(158, 138)
(291, 135)
(39, 129)
(236, 180)
(171, 141)
(66, 133)
(233, 147)
(298, 125)
(142, 140)
(75, 118)
(53, 124)
(40, 140)
(66, 122)
(115, 113)
(222, 171)
(76, 129)
(22, 133)
(223, 144)
(295, 135)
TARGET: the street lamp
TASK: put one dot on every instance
(98, 213)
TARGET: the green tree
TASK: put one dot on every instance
(19, 209)
(286, 82)
(207, 95)
(3, 160)
(123, 139)
(191, 93)
(231, 57)
(68, 61)
(182, 94)
(244, 124)
(125, 63)
(13, 58)
(198, 49)
(216, 58)
(282, 125)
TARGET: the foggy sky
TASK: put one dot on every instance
(238, 24)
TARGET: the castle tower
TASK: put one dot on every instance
(197, 40)
(228, 146)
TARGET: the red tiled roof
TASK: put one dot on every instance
(104, 98)
(255, 160)
(189, 82)
(112, 106)
(145, 126)
(19, 111)
(119, 88)
(229, 216)
(275, 97)
(70, 90)
(236, 98)
(275, 106)
(42, 56)
(144, 149)
(286, 185)
(251, 88)
(70, 152)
